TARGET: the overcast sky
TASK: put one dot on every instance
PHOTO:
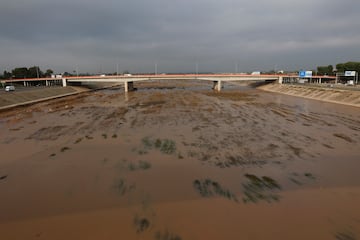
(176, 35)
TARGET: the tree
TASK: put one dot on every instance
(348, 66)
(20, 72)
(35, 72)
(6, 75)
(325, 70)
(48, 73)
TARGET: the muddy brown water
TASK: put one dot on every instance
(178, 161)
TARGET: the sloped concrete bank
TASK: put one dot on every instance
(346, 97)
(16, 99)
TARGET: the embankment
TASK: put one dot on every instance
(346, 97)
(19, 98)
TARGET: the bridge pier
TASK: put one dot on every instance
(280, 81)
(217, 85)
(129, 86)
(64, 82)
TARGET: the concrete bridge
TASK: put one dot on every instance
(129, 80)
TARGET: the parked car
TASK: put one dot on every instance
(9, 88)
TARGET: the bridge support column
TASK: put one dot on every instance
(129, 86)
(280, 79)
(217, 85)
(64, 82)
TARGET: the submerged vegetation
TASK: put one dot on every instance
(141, 224)
(209, 188)
(122, 187)
(257, 189)
(165, 146)
(166, 235)
(64, 149)
(141, 165)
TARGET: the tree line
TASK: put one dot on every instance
(340, 68)
(36, 72)
(24, 72)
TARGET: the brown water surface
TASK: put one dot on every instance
(179, 161)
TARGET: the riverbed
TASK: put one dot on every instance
(176, 160)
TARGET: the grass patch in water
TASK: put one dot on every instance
(141, 224)
(257, 189)
(166, 235)
(3, 177)
(345, 236)
(209, 188)
(309, 175)
(165, 146)
(89, 137)
(64, 149)
(141, 165)
(343, 136)
(300, 178)
(122, 187)
(78, 140)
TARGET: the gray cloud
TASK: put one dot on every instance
(95, 36)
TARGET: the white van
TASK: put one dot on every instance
(9, 88)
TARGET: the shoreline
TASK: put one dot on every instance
(338, 96)
(37, 96)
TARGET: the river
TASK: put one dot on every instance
(175, 160)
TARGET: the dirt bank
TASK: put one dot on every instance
(347, 97)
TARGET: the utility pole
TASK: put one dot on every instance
(356, 78)
(37, 71)
(156, 65)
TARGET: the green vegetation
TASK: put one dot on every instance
(78, 140)
(345, 236)
(141, 224)
(142, 165)
(122, 188)
(340, 67)
(301, 178)
(3, 177)
(309, 175)
(257, 189)
(348, 66)
(325, 70)
(209, 188)
(24, 72)
(343, 136)
(165, 146)
(64, 149)
(166, 235)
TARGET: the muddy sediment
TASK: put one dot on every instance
(178, 161)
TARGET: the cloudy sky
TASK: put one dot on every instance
(176, 35)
